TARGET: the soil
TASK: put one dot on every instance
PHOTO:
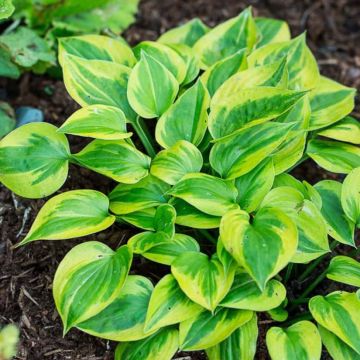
(333, 30)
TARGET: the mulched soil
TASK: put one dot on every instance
(26, 274)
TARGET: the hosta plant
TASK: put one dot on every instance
(200, 130)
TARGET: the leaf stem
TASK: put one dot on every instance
(207, 235)
(288, 272)
(304, 316)
(143, 132)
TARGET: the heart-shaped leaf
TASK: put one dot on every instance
(344, 269)
(264, 245)
(82, 285)
(350, 196)
(205, 281)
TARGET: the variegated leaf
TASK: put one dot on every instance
(207, 193)
(302, 66)
(312, 230)
(337, 349)
(226, 39)
(206, 329)
(263, 246)
(344, 269)
(115, 159)
(172, 164)
(152, 87)
(300, 341)
(82, 285)
(330, 102)
(96, 47)
(339, 312)
(240, 345)
(187, 34)
(347, 130)
(143, 219)
(249, 107)
(71, 214)
(274, 74)
(204, 280)
(334, 156)
(161, 345)
(169, 305)
(223, 69)
(350, 196)
(167, 252)
(188, 215)
(147, 193)
(97, 82)
(254, 185)
(97, 121)
(186, 119)
(165, 55)
(124, 318)
(245, 294)
(272, 31)
(238, 154)
(339, 226)
(34, 160)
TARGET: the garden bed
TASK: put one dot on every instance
(26, 274)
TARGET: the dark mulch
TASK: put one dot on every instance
(26, 274)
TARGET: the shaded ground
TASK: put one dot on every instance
(26, 274)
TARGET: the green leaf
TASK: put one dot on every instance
(274, 74)
(238, 154)
(330, 102)
(97, 121)
(82, 286)
(6, 9)
(278, 314)
(350, 196)
(240, 345)
(345, 270)
(165, 253)
(272, 31)
(207, 329)
(302, 66)
(188, 215)
(161, 345)
(9, 339)
(347, 129)
(337, 349)
(165, 55)
(172, 164)
(226, 39)
(169, 305)
(339, 226)
(128, 198)
(124, 318)
(115, 159)
(7, 67)
(27, 49)
(311, 226)
(187, 34)
(300, 341)
(97, 47)
(186, 119)
(71, 214)
(204, 280)
(34, 160)
(152, 87)
(142, 242)
(143, 219)
(334, 156)
(254, 185)
(249, 107)
(207, 193)
(339, 313)
(7, 119)
(223, 69)
(245, 294)
(97, 82)
(263, 246)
